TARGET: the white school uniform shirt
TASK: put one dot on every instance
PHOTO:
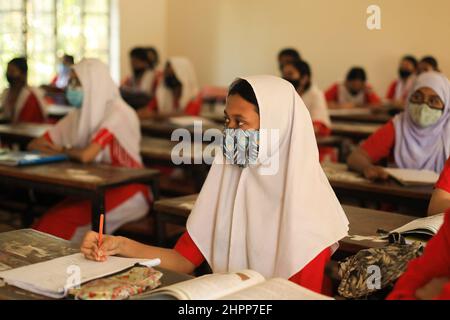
(316, 103)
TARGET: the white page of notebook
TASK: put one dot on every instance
(414, 176)
(189, 121)
(432, 223)
(55, 277)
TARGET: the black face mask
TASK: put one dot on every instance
(139, 72)
(172, 82)
(404, 74)
(12, 80)
(295, 83)
(353, 92)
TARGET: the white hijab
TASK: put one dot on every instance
(102, 108)
(185, 73)
(273, 224)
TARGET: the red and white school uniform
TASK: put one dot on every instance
(434, 263)
(400, 90)
(29, 107)
(316, 103)
(106, 120)
(190, 101)
(146, 83)
(339, 93)
(269, 217)
(380, 145)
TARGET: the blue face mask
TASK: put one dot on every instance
(75, 97)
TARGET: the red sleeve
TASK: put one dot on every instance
(194, 107)
(322, 129)
(188, 249)
(381, 143)
(444, 180)
(103, 138)
(434, 263)
(332, 93)
(47, 137)
(312, 276)
(153, 105)
(372, 97)
(31, 111)
(391, 91)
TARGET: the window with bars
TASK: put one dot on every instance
(44, 30)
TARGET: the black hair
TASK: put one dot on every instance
(412, 59)
(21, 64)
(302, 67)
(69, 58)
(356, 73)
(140, 54)
(432, 61)
(242, 88)
(155, 53)
(291, 52)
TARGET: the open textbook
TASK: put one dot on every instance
(56, 277)
(428, 226)
(243, 285)
(410, 177)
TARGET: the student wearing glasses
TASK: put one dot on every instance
(415, 139)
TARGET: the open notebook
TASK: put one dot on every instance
(243, 285)
(410, 177)
(56, 277)
(427, 227)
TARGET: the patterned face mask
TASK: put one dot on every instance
(241, 147)
(423, 115)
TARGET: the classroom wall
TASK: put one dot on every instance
(142, 22)
(230, 38)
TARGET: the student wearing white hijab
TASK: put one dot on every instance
(177, 93)
(100, 129)
(281, 223)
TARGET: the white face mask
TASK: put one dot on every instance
(423, 115)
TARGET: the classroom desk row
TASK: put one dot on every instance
(364, 223)
(25, 247)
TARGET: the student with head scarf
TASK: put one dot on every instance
(266, 205)
(428, 277)
(400, 89)
(415, 139)
(101, 129)
(299, 75)
(353, 93)
(177, 92)
(144, 75)
(20, 102)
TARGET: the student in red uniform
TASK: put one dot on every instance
(428, 64)
(272, 210)
(177, 92)
(428, 277)
(144, 73)
(299, 75)
(101, 129)
(415, 139)
(400, 89)
(288, 55)
(20, 102)
(353, 93)
(440, 201)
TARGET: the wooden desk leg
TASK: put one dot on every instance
(98, 208)
(154, 185)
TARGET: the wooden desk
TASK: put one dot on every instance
(352, 185)
(72, 179)
(21, 134)
(57, 112)
(363, 118)
(363, 222)
(355, 131)
(25, 247)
